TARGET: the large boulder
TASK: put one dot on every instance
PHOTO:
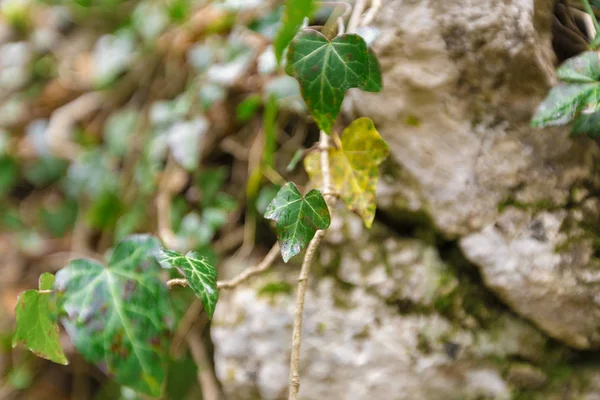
(462, 80)
(385, 318)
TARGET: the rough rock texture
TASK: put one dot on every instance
(387, 318)
(522, 261)
(398, 318)
(462, 80)
(461, 83)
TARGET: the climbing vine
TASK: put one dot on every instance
(118, 313)
(576, 98)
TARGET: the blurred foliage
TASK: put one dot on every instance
(181, 90)
(118, 117)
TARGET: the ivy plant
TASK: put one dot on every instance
(576, 98)
(120, 314)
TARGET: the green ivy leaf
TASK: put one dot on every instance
(298, 218)
(201, 275)
(119, 316)
(373, 83)
(583, 68)
(564, 102)
(587, 124)
(326, 70)
(46, 281)
(37, 322)
(353, 167)
(293, 16)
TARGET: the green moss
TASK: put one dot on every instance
(411, 120)
(469, 298)
(423, 344)
(544, 204)
(321, 328)
(274, 288)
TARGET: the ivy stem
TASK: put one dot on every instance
(294, 385)
(206, 377)
(244, 276)
(590, 11)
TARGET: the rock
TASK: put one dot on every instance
(557, 290)
(460, 85)
(348, 352)
(526, 376)
(384, 307)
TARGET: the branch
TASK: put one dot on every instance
(294, 385)
(63, 121)
(359, 7)
(257, 269)
(206, 378)
(172, 181)
(370, 15)
(244, 276)
(171, 283)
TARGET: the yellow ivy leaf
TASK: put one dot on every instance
(353, 167)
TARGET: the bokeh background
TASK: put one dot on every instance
(479, 279)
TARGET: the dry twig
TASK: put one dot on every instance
(63, 121)
(206, 376)
(244, 276)
(330, 199)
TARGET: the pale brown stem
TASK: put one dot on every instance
(357, 10)
(206, 377)
(244, 276)
(171, 283)
(294, 385)
(63, 122)
(372, 12)
(257, 269)
(173, 179)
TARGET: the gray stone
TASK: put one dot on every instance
(360, 340)
(461, 84)
(557, 290)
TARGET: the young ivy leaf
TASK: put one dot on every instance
(298, 218)
(353, 167)
(373, 83)
(326, 70)
(294, 13)
(37, 322)
(564, 102)
(201, 275)
(584, 68)
(118, 316)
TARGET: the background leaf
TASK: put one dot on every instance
(298, 218)
(326, 70)
(37, 322)
(353, 167)
(563, 103)
(293, 15)
(201, 275)
(583, 68)
(119, 316)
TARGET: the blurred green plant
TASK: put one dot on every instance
(576, 98)
(167, 74)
